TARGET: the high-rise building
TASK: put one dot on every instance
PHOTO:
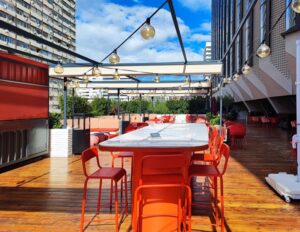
(239, 27)
(207, 51)
(89, 93)
(52, 20)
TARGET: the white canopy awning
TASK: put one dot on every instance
(175, 68)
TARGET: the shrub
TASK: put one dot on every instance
(215, 120)
(54, 120)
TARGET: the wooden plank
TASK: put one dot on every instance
(46, 195)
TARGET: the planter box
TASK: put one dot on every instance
(61, 142)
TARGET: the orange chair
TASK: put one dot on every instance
(228, 123)
(121, 155)
(214, 144)
(102, 173)
(166, 118)
(189, 118)
(265, 121)
(161, 185)
(274, 120)
(214, 171)
(236, 133)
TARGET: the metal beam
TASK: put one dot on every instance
(133, 78)
(26, 34)
(172, 10)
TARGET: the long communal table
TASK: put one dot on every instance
(158, 139)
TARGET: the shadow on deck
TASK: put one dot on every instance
(46, 195)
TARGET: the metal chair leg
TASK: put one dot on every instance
(99, 196)
(116, 207)
(83, 205)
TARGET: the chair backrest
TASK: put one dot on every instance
(237, 130)
(154, 166)
(161, 192)
(87, 155)
(212, 134)
(188, 118)
(224, 153)
(229, 123)
(141, 125)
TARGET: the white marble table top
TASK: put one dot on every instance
(187, 135)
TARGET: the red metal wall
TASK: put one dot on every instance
(23, 88)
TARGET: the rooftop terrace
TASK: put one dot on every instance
(46, 195)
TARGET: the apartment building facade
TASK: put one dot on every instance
(239, 27)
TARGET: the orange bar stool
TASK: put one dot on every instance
(102, 173)
(121, 155)
(214, 144)
(162, 201)
(214, 171)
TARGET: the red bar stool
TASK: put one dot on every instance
(162, 177)
(214, 171)
(209, 155)
(121, 155)
(236, 134)
(102, 173)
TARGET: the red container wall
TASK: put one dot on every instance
(19, 101)
(23, 88)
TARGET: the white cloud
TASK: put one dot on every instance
(101, 27)
(205, 26)
(201, 37)
(195, 5)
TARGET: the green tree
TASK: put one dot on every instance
(99, 106)
(81, 105)
(197, 105)
(134, 106)
(160, 107)
(178, 106)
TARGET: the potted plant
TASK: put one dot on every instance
(215, 121)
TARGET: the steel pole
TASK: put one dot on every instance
(118, 103)
(65, 102)
(298, 106)
(221, 105)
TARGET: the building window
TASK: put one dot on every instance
(239, 12)
(249, 36)
(264, 21)
(238, 52)
(232, 18)
(290, 16)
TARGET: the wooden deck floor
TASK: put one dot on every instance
(46, 195)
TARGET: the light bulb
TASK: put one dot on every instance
(187, 80)
(296, 6)
(263, 51)
(59, 69)
(96, 71)
(116, 75)
(246, 69)
(147, 31)
(114, 58)
(225, 80)
(157, 79)
(236, 77)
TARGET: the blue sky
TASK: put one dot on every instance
(103, 24)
